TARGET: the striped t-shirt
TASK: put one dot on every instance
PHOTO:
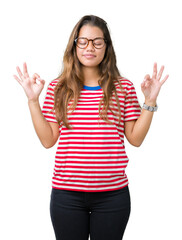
(91, 157)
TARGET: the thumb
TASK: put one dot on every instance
(41, 82)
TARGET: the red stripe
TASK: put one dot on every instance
(85, 143)
(89, 167)
(85, 147)
(81, 185)
(94, 162)
(80, 157)
(88, 172)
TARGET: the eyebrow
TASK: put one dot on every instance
(90, 38)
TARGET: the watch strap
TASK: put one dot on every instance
(150, 108)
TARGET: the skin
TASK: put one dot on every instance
(48, 132)
(135, 131)
(90, 65)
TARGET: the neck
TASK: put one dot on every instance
(91, 76)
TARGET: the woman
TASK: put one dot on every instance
(88, 109)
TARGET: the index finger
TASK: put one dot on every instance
(25, 71)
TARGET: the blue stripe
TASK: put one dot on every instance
(91, 88)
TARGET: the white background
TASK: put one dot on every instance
(143, 32)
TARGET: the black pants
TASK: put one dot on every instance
(100, 215)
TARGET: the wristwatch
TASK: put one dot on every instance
(149, 108)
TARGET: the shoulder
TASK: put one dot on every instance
(53, 83)
(123, 83)
(51, 87)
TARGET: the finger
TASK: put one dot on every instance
(25, 71)
(147, 77)
(145, 83)
(19, 80)
(19, 72)
(163, 81)
(154, 70)
(35, 76)
(160, 73)
(41, 81)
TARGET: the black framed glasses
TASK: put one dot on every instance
(83, 42)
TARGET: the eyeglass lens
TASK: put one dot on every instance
(83, 42)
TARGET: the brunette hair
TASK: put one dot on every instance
(70, 81)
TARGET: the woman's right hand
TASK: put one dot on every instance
(32, 86)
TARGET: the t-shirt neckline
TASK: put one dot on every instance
(91, 88)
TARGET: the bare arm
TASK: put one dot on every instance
(136, 131)
(47, 132)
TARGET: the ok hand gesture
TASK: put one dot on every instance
(151, 85)
(32, 86)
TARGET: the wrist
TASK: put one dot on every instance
(151, 103)
(33, 101)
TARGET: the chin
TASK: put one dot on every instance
(89, 64)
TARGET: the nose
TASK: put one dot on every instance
(90, 45)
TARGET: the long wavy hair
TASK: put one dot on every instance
(70, 81)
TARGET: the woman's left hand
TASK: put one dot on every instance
(151, 86)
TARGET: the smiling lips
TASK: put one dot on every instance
(89, 56)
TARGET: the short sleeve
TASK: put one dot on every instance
(132, 109)
(47, 108)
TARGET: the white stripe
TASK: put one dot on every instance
(89, 160)
(90, 169)
(89, 179)
(85, 175)
(90, 184)
(63, 165)
(91, 155)
(90, 150)
(131, 114)
(92, 131)
(91, 126)
(98, 144)
(89, 140)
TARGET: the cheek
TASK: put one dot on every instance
(103, 54)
